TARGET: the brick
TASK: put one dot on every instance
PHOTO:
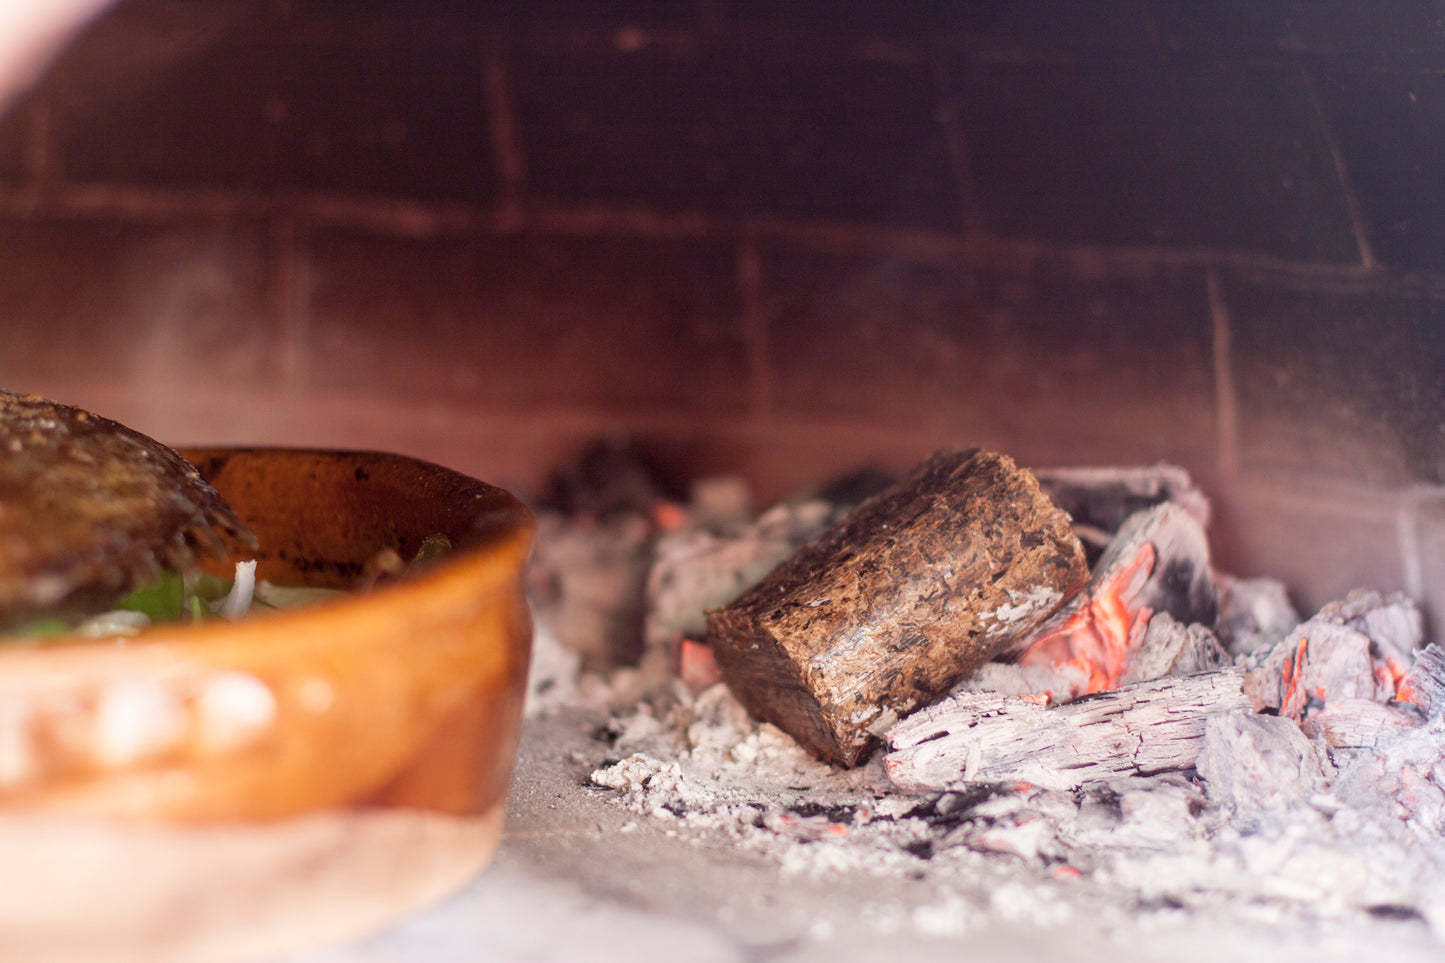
(1321, 541)
(1343, 28)
(1390, 133)
(1343, 383)
(272, 107)
(15, 129)
(181, 304)
(1084, 26)
(1277, 29)
(1061, 367)
(593, 14)
(734, 131)
(905, 21)
(1151, 151)
(529, 323)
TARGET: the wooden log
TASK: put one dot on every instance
(1141, 729)
(890, 607)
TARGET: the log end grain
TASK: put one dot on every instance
(889, 608)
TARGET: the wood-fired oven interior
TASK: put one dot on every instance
(781, 239)
(778, 242)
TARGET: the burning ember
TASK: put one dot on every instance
(1164, 738)
(1097, 638)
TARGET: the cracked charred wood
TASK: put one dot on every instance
(1141, 729)
(892, 605)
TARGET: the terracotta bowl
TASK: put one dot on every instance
(224, 791)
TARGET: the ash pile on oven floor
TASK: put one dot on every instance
(1313, 794)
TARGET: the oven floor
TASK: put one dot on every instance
(579, 878)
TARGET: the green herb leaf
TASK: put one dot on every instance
(164, 600)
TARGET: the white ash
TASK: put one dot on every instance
(552, 676)
(1020, 853)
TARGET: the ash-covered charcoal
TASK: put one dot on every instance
(1360, 648)
(1147, 798)
(1169, 648)
(1101, 499)
(897, 601)
(610, 477)
(1392, 622)
(1400, 778)
(1358, 723)
(586, 584)
(1158, 813)
(1425, 682)
(1025, 823)
(1144, 728)
(843, 813)
(1254, 613)
(1403, 766)
(957, 806)
(1158, 562)
(1255, 766)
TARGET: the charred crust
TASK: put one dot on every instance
(89, 507)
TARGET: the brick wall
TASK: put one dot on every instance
(776, 237)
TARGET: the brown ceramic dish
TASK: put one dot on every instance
(224, 790)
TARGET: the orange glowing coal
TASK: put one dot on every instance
(1098, 638)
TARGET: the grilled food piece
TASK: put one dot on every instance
(90, 510)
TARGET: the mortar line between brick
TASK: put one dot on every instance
(39, 144)
(507, 153)
(1342, 172)
(1226, 402)
(411, 218)
(1407, 534)
(287, 307)
(946, 115)
(753, 322)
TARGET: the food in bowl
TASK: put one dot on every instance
(91, 510)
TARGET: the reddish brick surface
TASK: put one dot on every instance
(1064, 366)
(732, 129)
(1139, 150)
(1320, 540)
(1348, 382)
(527, 323)
(181, 305)
(247, 101)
